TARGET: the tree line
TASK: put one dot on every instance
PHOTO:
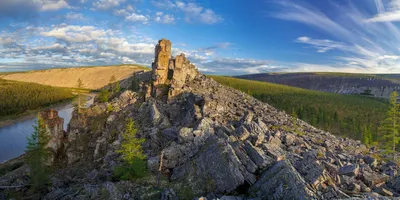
(352, 116)
(17, 97)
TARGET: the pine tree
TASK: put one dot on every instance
(80, 104)
(390, 127)
(117, 88)
(104, 95)
(112, 80)
(135, 83)
(367, 135)
(131, 147)
(37, 154)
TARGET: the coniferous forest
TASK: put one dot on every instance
(358, 117)
(18, 97)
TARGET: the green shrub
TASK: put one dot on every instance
(130, 171)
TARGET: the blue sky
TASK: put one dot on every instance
(227, 37)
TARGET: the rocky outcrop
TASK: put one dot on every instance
(55, 127)
(205, 139)
(170, 74)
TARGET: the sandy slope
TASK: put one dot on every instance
(92, 77)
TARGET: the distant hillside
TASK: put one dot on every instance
(349, 115)
(92, 77)
(377, 85)
(17, 97)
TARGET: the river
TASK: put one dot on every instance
(13, 137)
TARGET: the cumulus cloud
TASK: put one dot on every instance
(392, 13)
(163, 4)
(194, 12)
(107, 4)
(134, 17)
(76, 33)
(49, 5)
(164, 19)
(74, 16)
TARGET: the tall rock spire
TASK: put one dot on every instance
(161, 62)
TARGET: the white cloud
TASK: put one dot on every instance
(322, 46)
(76, 33)
(164, 19)
(209, 17)
(50, 5)
(193, 12)
(134, 17)
(107, 4)
(74, 16)
(124, 11)
(392, 13)
(6, 41)
(163, 4)
(361, 47)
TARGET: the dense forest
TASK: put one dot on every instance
(17, 97)
(353, 116)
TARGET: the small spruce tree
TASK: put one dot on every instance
(134, 165)
(80, 101)
(117, 87)
(37, 154)
(391, 125)
(134, 84)
(112, 80)
(131, 147)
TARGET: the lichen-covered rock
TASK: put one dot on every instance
(281, 181)
(215, 169)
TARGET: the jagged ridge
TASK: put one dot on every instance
(211, 140)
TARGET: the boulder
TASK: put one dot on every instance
(372, 162)
(281, 181)
(215, 169)
(289, 139)
(349, 170)
(371, 179)
(257, 155)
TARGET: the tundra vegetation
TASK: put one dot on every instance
(352, 116)
(17, 97)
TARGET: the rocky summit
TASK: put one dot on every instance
(207, 141)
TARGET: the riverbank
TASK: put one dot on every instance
(29, 114)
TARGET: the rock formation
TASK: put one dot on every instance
(55, 126)
(170, 74)
(213, 142)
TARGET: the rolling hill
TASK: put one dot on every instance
(376, 85)
(349, 115)
(92, 77)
